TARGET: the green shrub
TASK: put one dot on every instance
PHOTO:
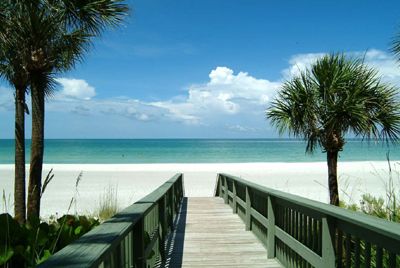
(34, 242)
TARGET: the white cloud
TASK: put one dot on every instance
(224, 94)
(241, 128)
(125, 107)
(299, 63)
(382, 61)
(234, 101)
(76, 88)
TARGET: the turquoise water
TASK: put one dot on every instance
(192, 151)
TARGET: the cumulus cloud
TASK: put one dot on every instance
(228, 99)
(384, 63)
(76, 88)
(300, 62)
(226, 93)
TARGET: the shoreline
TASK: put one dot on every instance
(144, 166)
(134, 181)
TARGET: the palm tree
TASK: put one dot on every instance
(47, 37)
(56, 35)
(13, 71)
(335, 97)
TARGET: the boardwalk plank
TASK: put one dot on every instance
(208, 234)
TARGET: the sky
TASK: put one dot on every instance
(206, 68)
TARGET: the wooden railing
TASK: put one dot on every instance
(304, 233)
(135, 237)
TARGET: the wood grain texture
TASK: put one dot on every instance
(208, 234)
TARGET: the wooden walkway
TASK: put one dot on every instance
(208, 234)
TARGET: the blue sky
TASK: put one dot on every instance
(206, 69)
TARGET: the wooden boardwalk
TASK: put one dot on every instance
(208, 234)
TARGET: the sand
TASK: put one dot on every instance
(133, 181)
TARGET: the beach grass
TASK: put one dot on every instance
(108, 203)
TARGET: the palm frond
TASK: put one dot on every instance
(336, 96)
(92, 15)
(395, 46)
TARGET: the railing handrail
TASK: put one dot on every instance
(299, 231)
(90, 249)
(381, 226)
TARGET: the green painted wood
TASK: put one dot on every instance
(129, 250)
(379, 226)
(271, 229)
(305, 229)
(315, 234)
(138, 245)
(241, 202)
(259, 217)
(150, 247)
(234, 206)
(105, 245)
(328, 244)
(225, 190)
(219, 188)
(89, 250)
(389, 243)
(171, 205)
(379, 257)
(367, 255)
(357, 253)
(313, 258)
(348, 250)
(309, 232)
(163, 214)
(248, 210)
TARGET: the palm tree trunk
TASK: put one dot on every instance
(37, 148)
(19, 183)
(332, 177)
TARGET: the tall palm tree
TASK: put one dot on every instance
(335, 97)
(57, 34)
(13, 71)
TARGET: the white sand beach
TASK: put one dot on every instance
(133, 181)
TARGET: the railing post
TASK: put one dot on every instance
(234, 205)
(271, 230)
(219, 185)
(173, 202)
(328, 243)
(128, 250)
(225, 190)
(248, 210)
(138, 244)
(163, 217)
(182, 186)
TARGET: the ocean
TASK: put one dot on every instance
(108, 151)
